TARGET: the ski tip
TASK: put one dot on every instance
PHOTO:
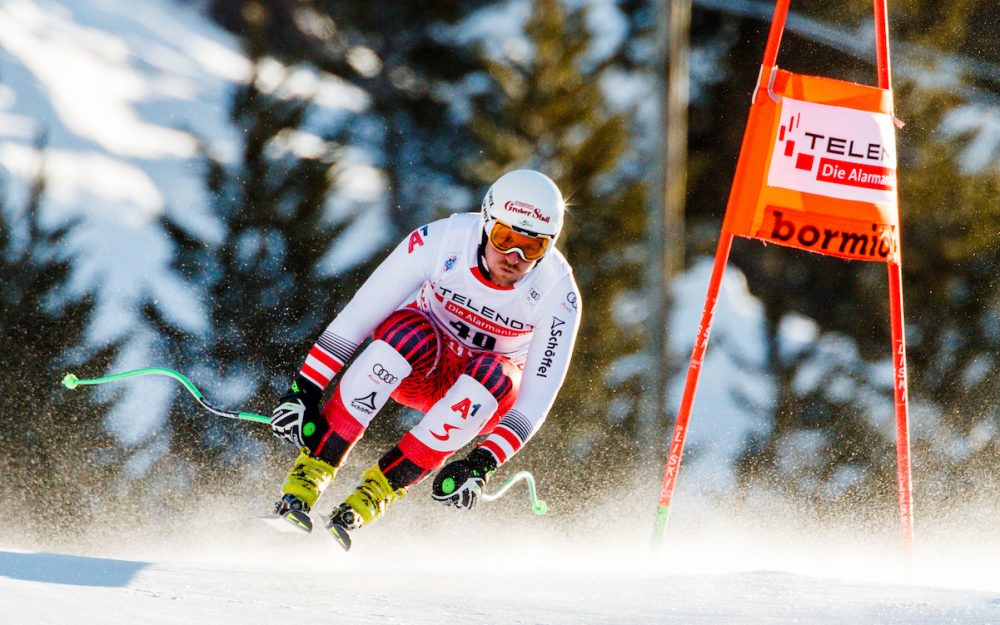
(70, 381)
(289, 524)
(341, 535)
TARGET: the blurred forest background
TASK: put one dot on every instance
(457, 95)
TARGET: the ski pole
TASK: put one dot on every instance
(538, 506)
(71, 382)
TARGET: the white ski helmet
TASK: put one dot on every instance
(526, 200)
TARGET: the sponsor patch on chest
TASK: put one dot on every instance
(492, 319)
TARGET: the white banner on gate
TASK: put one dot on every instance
(835, 152)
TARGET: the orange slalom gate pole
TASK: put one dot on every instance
(707, 315)
(895, 270)
(882, 45)
(774, 34)
(690, 386)
(902, 408)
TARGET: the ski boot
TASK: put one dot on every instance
(306, 481)
(362, 507)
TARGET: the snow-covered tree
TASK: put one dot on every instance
(265, 286)
(54, 451)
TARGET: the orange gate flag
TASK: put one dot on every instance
(817, 168)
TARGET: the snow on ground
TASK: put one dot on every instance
(67, 589)
(438, 568)
(721, 563)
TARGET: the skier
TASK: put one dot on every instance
(473, 320)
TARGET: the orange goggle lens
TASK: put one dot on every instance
(505, 239)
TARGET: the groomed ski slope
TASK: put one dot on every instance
(435, 568)
(51, 588)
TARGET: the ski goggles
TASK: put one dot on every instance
(506, 239)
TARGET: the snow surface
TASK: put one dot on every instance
(436, 569)
(54, 588)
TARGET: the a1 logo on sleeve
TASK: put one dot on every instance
(416, 240)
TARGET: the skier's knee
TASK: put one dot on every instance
(490, 370)
(412, 334)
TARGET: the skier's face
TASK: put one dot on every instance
(506, 269)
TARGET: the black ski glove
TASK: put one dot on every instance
(460, 483)
(297, 415)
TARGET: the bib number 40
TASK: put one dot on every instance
(479, 339)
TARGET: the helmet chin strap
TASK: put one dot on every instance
(484, 268)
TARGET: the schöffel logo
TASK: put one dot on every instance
(835, 152)
(365, 404)
(555, 332)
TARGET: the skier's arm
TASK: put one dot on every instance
(544, 371)
(389, 286)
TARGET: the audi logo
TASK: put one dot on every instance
(383, 374)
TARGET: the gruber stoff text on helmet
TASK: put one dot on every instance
(523, 212)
